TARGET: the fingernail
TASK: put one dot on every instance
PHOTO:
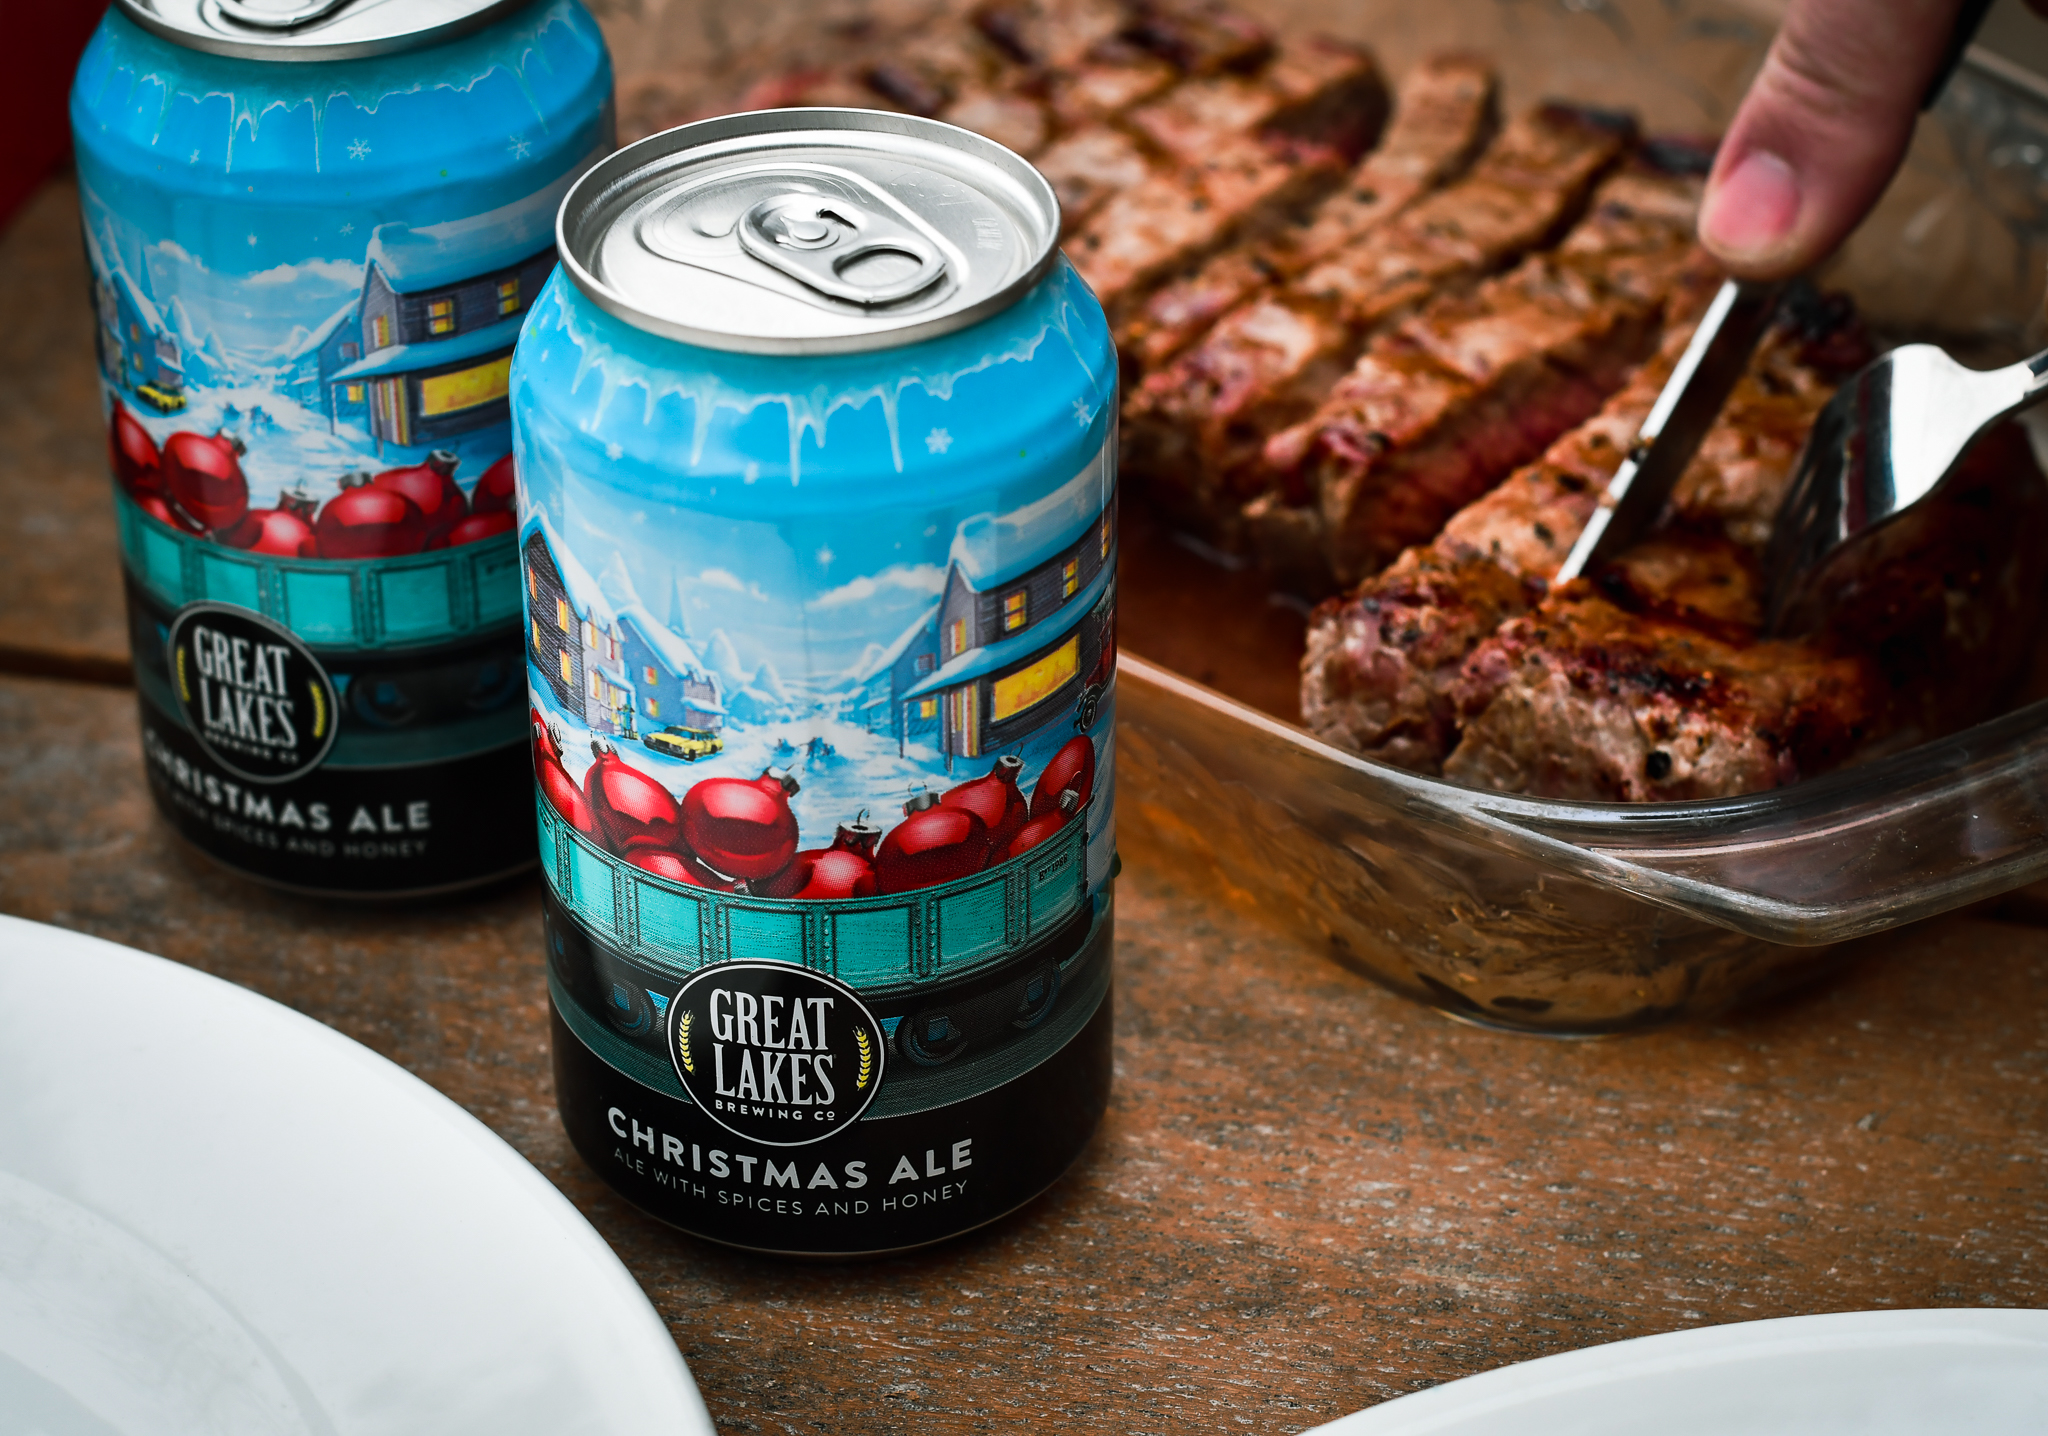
(1752, 210)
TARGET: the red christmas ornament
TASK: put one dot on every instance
(678, 867)
(933, 844)
(995, 800)
(283, 532)
(155, 505)
(203, 475)
(545, 743)
(432, 486)
(364, 521)
(496, 492)
(478, 527)
(1038, 830)
(631, 808)
(742, 826)
(1072, 767)
(846, 869)
(837, 873)
(133, 453)
(563, 795)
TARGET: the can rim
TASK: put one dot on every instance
(604, 179)
(283, 44)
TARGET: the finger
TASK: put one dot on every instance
(1821, 131)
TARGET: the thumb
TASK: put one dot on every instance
(1821, 131)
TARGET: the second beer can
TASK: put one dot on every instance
(314, 229)
(816, 438)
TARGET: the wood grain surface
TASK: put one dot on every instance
(1308, 1196)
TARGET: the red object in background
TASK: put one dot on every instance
(154, 504)
(282, 532)
(203, 476)
(495, 492)
(44, 40)
(742, 826)
(432, 486)
(995, 800)
(478, 527)
(133, 453)
(933, 844)
(836, 873)
(364, 521)
(1072, 767)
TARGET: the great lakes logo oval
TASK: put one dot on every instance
(252, 694)
(775, 1053)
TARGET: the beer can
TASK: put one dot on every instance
(816, 441)
(314, 228)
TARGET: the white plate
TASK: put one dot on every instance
(218, 1216)
(1854, 1373)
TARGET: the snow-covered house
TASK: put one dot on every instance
(438, 314)
(136, 347)
(1024, 617)
(307, 368)
(672, 686)
(876, 702)
(577, 645)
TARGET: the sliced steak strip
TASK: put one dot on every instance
(1090, 165)
(1584, 699)
(1195, 430)
(1240, 157)
(1053, 34)
(1448, 402)
(1443, 112)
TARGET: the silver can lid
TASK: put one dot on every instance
(312, 29)
(808, 231)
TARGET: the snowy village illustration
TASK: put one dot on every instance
(973, 733)
(353, 410)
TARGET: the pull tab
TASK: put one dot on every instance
(816, 239)
(280, 14)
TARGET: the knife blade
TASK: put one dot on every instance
(1691, 400)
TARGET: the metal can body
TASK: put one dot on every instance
(308, 276)
(822, 649)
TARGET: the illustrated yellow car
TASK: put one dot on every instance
(161, 400)
(689, 744)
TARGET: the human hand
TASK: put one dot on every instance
(1822, 130)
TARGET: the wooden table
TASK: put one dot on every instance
(1309, 1195)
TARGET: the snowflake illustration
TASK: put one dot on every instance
(1083, 415)
(195, 158)
(938, 441)
(359, 149)
(348, 229)
(520, 148)
(613, 452)
(825, 557)
(252, 239)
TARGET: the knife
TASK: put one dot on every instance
(1670, 436)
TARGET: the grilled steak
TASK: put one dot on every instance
(1196, 430)
(1442, 113)
(1584, 699)
(1381, 662)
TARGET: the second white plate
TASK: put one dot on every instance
(1853, 1373)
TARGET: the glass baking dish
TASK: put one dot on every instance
(1583, 918)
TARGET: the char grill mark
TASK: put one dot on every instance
(1443, 113)
(1197, 432)
(1371, 685)
(1237, 158)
